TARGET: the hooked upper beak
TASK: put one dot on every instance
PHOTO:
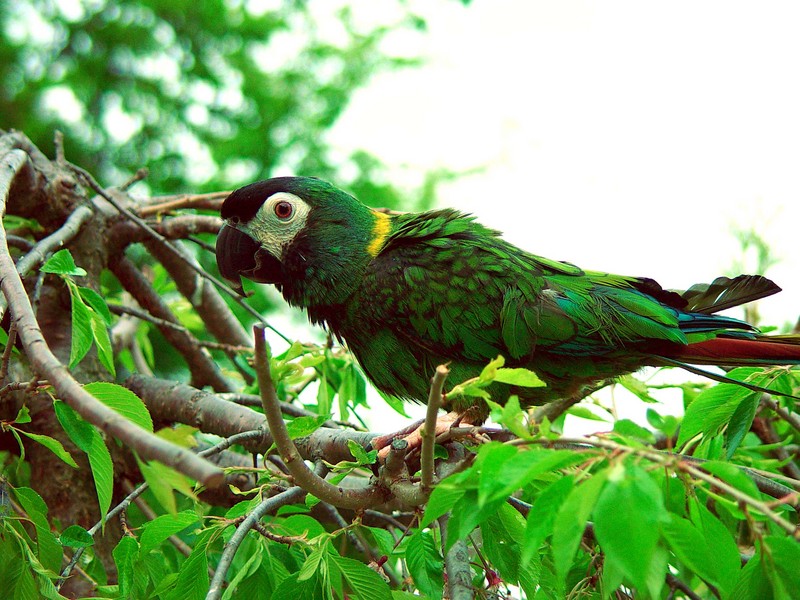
(239, 255)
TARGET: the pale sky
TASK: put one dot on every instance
(623, 136)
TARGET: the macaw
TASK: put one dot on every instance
(408, 292)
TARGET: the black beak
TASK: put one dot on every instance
(239, 255)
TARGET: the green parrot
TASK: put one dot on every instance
(408, 292)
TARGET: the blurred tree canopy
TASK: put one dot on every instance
(205, 95)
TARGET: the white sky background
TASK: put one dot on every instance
(629, 137)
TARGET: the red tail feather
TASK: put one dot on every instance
(727, 351)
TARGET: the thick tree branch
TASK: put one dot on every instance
(218, 318)
(456, 565)
(147, 445)
(176, 402)
(201, 365)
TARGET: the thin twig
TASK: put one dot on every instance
(429, 429)
(678, 462)
(791, 418)
(211, 201)
(92, 183)
(202, 366)
(290, 496)
(354, 498)
(132, 495)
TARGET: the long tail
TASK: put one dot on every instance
(725, 351)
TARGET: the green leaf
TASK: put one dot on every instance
(160, 528)
(164, 481)
(784, 557)
(442, 499)
(626, 522)
(691, 548)
(518, 377)
(711, 409)
(303, 426)
(62, 263)
(363, 581)
(192, 582)
(105, 352)
(425, 564)
(82, 334)
(362, 456)
(23, 415)
(570, 522)
(732, 475)
(542, 516)
(86, 437)
(76, 536)
(49, 551)
(629, 429)
(740, 422)
(53, 445)
(123, 401)
(725, 553)
(314, 563)
(96, 302)
(125, 555)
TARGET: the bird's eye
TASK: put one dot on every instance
(284, 210)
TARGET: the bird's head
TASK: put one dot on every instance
(308, 238)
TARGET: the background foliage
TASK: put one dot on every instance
(207, 96)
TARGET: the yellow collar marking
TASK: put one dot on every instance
(380, 231)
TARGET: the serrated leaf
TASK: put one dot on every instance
(629, 429)
(192, 582)
(123, 401)
(303, 426)
(626, 520)
(86, 437)
(125, 555)
(365, 583)
(362, 456)
(313, 563)
(582, 412)
(163, 481)
(82, 334)
(105, 352)
(425, 564)
(711, 409)
(542, 516)
(732, 475)
(740, 422)
(691, 548)
(76, 536)
(96, 302)
(442, 499)
(570, 522)
(519, 377)
(62, 263)
(160, 528)
(53, 445)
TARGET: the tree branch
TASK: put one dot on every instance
(456, 565)
(201, 365)
(429, 429)
(290, 496)
(354, 498)
(149, 446)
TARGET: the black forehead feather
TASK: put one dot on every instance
(245, 202)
